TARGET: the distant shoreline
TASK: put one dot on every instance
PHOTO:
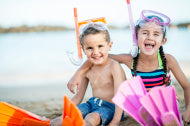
(44, 28)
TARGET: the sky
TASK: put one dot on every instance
(60, 12)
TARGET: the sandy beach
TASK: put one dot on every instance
(48, 100)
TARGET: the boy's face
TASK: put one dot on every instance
(96, 48)
(150, 38)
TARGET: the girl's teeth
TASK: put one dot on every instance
(149, 45)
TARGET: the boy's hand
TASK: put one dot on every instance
(74, 81)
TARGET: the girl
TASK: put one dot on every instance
(150, 63)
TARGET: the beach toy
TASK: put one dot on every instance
(11, 115)
(71, 114)
(70, 54)
(127, 98)
(134, 49)
(161, 103)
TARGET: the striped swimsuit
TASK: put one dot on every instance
(154, 78)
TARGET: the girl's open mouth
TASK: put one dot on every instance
(149, 46)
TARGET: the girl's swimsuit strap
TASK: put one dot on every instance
(159, 61)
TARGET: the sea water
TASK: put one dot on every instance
(40, 58)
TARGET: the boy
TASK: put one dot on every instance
(105, 76)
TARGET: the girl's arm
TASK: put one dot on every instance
(76, 99)
(183, 81)
(122, 58)
(80, 94)
(77, 77)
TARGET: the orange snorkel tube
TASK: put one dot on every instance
(77, 34)
(70, 53)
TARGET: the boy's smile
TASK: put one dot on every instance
(96, 48)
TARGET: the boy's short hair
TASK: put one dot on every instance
(94, 28)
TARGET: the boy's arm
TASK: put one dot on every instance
(76, 79)
(118, 77)
(183, 81)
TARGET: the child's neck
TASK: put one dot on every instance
(148, 63)
(148, 58)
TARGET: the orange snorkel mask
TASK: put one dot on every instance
(97, 23)
(101, 19)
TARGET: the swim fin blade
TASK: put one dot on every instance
(127, 98)
(11, 115)
(71, 114)
(161, 103)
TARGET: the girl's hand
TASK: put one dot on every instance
(77, 78)
(73, 82)
(186, 117)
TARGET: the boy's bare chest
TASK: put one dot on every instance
(99, 77)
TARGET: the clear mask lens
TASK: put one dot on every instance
(154, 16)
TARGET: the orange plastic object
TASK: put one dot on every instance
(101, 19)
(67, 121)
(32, 122)
(11, 115)
(128, 1)
(77, 34)
(71, 114)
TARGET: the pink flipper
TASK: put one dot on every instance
(160, 101)
(127, 98)
(146, 117)
(170, 119)
(170, 100)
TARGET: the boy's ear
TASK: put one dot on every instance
(164, 41)
(110, 45)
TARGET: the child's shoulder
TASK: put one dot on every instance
(170, 58)
(114, 65)
(113, 62)
(171, 61)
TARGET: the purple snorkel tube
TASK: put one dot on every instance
(134, 49)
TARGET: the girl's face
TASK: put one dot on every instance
(150, 38)
(96, 48)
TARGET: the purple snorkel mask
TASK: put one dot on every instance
(153, 16)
